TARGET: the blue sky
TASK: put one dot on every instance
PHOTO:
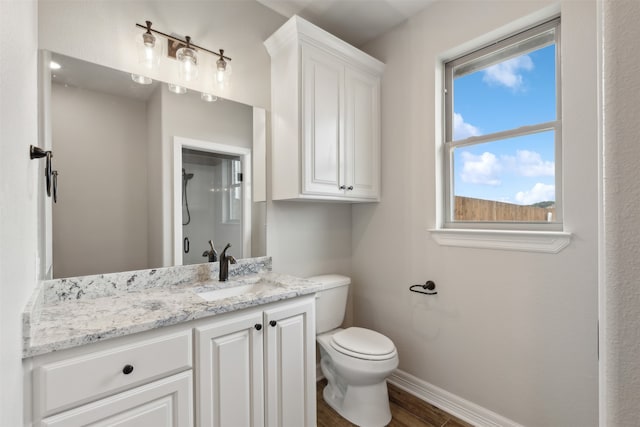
(516, 92)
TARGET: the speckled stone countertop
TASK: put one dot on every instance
(66, 313)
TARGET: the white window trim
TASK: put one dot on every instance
(528, 237)
(509, 240)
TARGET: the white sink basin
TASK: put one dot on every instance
(234, 291)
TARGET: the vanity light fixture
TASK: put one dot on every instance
(207, 97)
(53, 65)
(187, 56)
(180, 90)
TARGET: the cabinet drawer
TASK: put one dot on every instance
(78, 380)
(164, 403)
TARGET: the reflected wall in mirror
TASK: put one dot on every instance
(112, 140)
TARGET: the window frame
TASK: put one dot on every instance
(231, 182)
(449, 145)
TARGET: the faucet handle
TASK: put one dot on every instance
(231, 259)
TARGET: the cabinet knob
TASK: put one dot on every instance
(342, 187)
(273, 323)
(350, 187)
(127, 369)
(258, 326)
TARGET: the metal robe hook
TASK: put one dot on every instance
(38, 153)
(55, 186)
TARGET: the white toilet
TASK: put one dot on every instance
(355, 361)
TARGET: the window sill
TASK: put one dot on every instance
(527, 241)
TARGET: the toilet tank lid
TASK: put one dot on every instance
(331, 280)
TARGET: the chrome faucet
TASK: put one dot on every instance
(212, 254)
(224, 263)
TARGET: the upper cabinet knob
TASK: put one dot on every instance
(127, 369)
(273, 323)
(350, 187)
(342, 187)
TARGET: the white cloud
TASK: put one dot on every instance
(482, 169)
(507, 73)
(539, 193)
(529, 163)
(461, 129)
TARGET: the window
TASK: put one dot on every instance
(502, 148)
(233, 187)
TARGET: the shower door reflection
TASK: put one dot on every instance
(211, 204)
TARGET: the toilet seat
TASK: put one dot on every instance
(363, 343)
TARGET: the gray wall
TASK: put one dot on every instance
(514, 332)
(100, 220)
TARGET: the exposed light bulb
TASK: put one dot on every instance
(149, 51)
(177, 89)
(223, 71)
(140, 79)
(54, 65)
(188, 60)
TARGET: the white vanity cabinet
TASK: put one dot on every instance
(252, 367)
(144, 382)
(325, 116)
(257, 367)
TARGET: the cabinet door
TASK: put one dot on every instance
(229, 366)
(290, 365)
(322, 126)
(362, 135)
(167, 402)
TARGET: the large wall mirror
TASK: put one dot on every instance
(113, 143)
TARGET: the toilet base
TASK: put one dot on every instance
(365, 406)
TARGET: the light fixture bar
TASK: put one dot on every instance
(219, 54)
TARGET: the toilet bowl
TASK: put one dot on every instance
(355, 361)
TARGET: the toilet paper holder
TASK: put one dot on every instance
(429, 285)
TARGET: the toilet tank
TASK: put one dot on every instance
(331, 301)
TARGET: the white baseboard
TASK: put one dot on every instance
(449, 402)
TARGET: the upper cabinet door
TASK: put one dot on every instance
(322, 126)
(325, 97)
(362, 135)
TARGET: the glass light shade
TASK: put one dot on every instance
(143, 80)
(177, 89)
(208, 97)
(222, 73)
(149, 50)
(188, 60)
(54, 65)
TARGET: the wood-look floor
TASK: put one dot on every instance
(406, 411)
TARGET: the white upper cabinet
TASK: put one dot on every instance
(325, 97)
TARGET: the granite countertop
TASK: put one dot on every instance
(67, 313)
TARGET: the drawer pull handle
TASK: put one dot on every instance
(273, 323)
(127, 369)
(258, 326)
